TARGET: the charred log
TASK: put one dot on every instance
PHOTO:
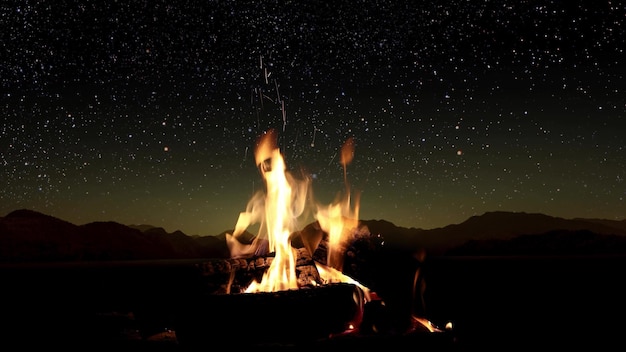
(286, 317)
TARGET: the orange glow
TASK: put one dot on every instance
(425, 323)
(331, 275)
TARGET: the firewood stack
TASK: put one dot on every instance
(233, 275)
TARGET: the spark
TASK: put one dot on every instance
(284, 115)
(333, 158)
(313, 141)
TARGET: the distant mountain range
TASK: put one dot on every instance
(30, 236)
(493, 233)
(26, 235)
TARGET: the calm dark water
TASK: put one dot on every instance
(493, 302)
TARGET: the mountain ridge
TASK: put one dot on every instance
(28, 235)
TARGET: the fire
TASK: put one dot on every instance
(278, 210)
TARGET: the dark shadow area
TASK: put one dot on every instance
(492, 302)
(547, 302)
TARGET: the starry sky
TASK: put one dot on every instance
(147, 112)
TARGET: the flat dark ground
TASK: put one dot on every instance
(493, 303)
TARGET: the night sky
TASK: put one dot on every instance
(147, 112)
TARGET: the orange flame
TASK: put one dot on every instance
(338, 220)
(277, 210)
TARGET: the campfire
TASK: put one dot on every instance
(277, 210)
(288, 279)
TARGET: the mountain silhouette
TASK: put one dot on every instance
(556, 243)
(30, 236)
(498, 225)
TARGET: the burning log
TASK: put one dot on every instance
(233, 275)
(317, 242)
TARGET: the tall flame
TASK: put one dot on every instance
(277, 210)
(338, 220)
